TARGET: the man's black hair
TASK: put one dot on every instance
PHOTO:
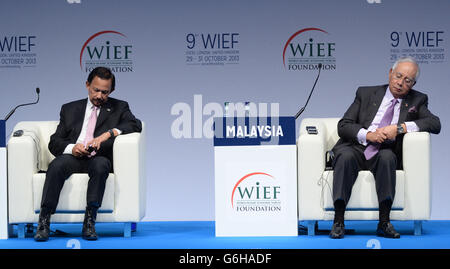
(103, 73)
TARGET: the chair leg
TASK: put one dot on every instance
(29, 228)
(311, 227)
(417, 227)
(127, 229)
(21, 230)
(10, 230)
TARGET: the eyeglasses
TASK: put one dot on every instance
(408, 81)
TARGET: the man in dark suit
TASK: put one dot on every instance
(371, 137)
(83, 143)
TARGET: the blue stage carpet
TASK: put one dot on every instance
(200, 235)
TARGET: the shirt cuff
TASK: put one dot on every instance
(411, 127)
(118, 131)
(68, 149)
(361, 136)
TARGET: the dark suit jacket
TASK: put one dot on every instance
(114, 114)
(362, 111)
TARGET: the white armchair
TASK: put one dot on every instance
(413, 185)
(28, 159)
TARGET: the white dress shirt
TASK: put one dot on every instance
(82, 136)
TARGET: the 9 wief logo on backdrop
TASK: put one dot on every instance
(18, 51)
(427, 47)
(212, 49)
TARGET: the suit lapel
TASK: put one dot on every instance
(105, 111)
(404, 108)
(375, 102)
(80, 109)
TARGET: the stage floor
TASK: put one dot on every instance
(200, 235)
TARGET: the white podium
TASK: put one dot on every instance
(3, 184)
(255, 176)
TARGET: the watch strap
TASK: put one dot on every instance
(111, 132)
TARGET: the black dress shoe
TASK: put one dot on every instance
(43, 229)
(337, 231)
(386, 229)
(89, 224)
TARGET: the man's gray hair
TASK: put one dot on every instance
(409, 60)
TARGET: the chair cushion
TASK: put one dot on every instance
(364, 195)
(73, 194)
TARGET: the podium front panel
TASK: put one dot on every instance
(256, 179)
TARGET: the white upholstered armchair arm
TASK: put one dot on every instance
(22, 164)
(130, 180)
(417, 168)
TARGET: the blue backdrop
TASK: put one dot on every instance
(177, 62)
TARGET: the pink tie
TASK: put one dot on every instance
(372, 149)
(91, 127)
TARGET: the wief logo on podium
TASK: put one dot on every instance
(255, 176)
(256, 192)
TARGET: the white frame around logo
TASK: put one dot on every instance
(234, 162)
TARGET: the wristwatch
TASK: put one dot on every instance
(111, 132)
(400, 129)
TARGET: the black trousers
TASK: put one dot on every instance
(63, 166)
(349, 160)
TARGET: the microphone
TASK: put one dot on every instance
(14, 110)
(319, 66)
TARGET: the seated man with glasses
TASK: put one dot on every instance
(371, 135)
(83, 143)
